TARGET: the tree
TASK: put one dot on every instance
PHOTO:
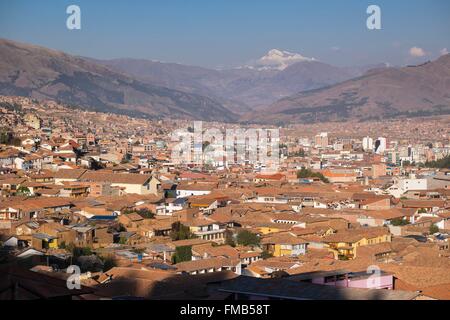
(300, 153)
(78, 251)
(8, 138)
(180, 232)
(23, 191)
(307, 173)
(145, 213)
(96, 165)
(229, 240)
(406, 163)
(247, 238)
(443, 163)
(434, 229)
(399, 222)
(181, 254)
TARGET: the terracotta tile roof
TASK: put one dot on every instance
(69, 173)
(388, 214)
(211, 251)
(124, 178)
(196, 187)
(187, 242)
(283, 238)
(276, 176)
(202, 264)
(353, 235)
(422, 203)
(440, 291)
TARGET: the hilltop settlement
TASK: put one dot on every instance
(355, 211)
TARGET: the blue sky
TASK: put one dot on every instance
(222, 33)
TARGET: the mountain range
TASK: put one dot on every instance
(422, 90)
(276, 75)
(279, 87)
(37, 72)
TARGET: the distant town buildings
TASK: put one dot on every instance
(102, 191)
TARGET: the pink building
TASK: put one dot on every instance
(346, 279)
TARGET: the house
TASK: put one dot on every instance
(427, 205)
(30, 208)
(156, 228)
(194, 189)
(375, 203)
(68, 175)
(209, 265)
(10, 241)
(276, 177)
(131, 183)
(269, 197)
(248, 257)
(207, 205)
(402, 185)
(207, 229)
(7, 158)
(171, 205)
(284, 244)
(343, 244)
(347, 279)
(207, 250)
(29, 252)
(27, 228)
(130, 220)
(340, 177)
(251, 288)
(62, 234)
(444, 223)
(73, 190)
(379, 218)
(42, 241)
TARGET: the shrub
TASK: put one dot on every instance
(247, 238)
(181, 254)
(434, 229)
(307, 173)
(180, 232)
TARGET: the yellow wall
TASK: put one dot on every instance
(268, 230)
(278, 252)
(363, 242)
(53, 244)
(194, 229)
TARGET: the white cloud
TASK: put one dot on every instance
(443, 52)
(335, 48)
(417, 52)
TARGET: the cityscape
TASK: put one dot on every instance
(282, 178)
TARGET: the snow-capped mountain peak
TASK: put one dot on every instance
(277, 59)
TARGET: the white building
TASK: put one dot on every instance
(403, 185)
(367, 144)
(380, 145)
